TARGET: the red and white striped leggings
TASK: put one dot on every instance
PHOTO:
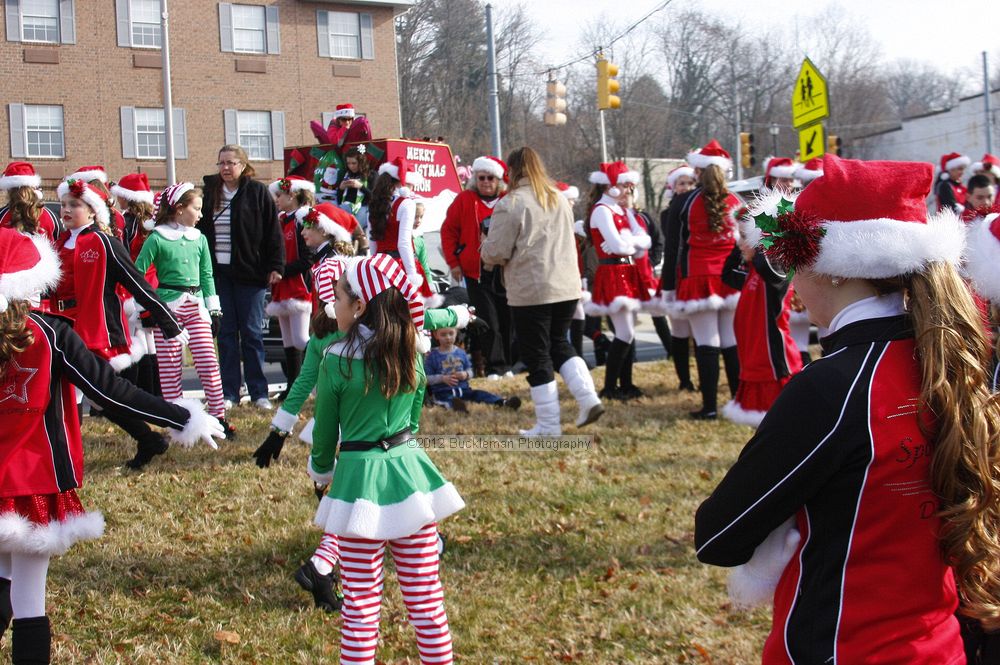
(416, 559)
(169, 357)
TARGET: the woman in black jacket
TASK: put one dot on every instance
(240, 221)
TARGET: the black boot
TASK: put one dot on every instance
(663, 332)
(707, 359)
(731, 360)
(293, 365)
(602, 347)
(629, 389)
(680, 350)
(147, 447)
(31, 641)
(612, 372)
(322, 587)
(6, 612)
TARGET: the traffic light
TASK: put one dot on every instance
(555, 103)
(834, 144)
(746, 150)
(607, 85)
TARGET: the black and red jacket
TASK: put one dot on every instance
(842, 450)
(41, 450)
(100, 263)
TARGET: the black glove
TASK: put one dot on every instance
(147, 321)
(216, 324)
(269, 450)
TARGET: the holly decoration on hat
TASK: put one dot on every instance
(285, 185)
(311, 218)
(789, 238)
(77, 188)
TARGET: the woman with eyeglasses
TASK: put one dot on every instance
(466, 222)
(240, 222)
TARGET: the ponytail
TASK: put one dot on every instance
(954, 353)
(714, 193)
(596, 192)
(381, 204)
(14, 334)
(25, 209)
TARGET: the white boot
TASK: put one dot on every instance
(546, 399)
(579, 381)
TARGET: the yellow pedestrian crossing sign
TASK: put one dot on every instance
(812, 142)
(810, 99)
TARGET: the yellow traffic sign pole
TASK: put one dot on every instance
(604, 138)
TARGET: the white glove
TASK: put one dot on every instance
(639, 253)
(641, 241)
(200, 426)
(614, 249)
(183, 338)
(754, 582)
(416, 279)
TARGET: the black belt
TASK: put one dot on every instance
(385, 444)
(63, 305)
(616, 260)
(193, 290)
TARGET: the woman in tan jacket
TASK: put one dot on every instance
(531, 236)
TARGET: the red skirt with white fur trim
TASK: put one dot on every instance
(704, 292)
(752, 401)
(616, 287)
(46, 523)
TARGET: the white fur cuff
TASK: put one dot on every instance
(200, 425)
(462, 315)
(284, 421)
(317, 477)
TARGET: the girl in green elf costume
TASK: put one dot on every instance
(386, 490)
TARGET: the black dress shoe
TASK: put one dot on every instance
(702, 414)
(687, 387)
(612, 394)
(631, 392)
(146, 450)
(322, 587)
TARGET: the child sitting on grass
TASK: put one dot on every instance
(448, 371)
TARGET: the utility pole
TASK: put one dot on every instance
(491, 75)
(168, 102)
(986, 103)
(604, 138)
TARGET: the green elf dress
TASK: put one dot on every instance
(375, 494)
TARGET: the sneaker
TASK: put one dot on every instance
(493, 377)
(322, 587)
(264, 404)
(513, 403)
(508, 374)
(702, 414)
(227, 404)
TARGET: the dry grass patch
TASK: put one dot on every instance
(559, 557)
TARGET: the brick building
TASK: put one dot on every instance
(83, 80)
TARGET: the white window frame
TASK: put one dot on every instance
(259, 10)
(132, 22)
(269, 29)
(20, 129)
(242, 132)
(275, 121)
(130, 133)
(364, 37)
(24, 13)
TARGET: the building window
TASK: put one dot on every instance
(145, 25)
(150, 133)
(248, 28)
(260, 133)
(36, 131)
(43, 126)
(345, 35)
(144, 133)
(40, 21)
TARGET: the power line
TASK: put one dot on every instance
(663, 5)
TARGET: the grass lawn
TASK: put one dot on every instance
(575, 557)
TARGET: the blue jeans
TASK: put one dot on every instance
(467, 394)
(241, 335)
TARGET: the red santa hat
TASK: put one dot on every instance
(613, 174)
(290, 185)
(810, 170)
(28, 266)
(569, 191)
(682, 171)
(133, 187)
(88, 173)
(20, 174)
(711, 153)
(491, 165)
(332, 220)
(370, 276)
(403, 171)
(982, 254)
(864, 220)
(952, 160)
(344, 111)
(325, 277)
(780, 167)
(89, 194)
(987, 163)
